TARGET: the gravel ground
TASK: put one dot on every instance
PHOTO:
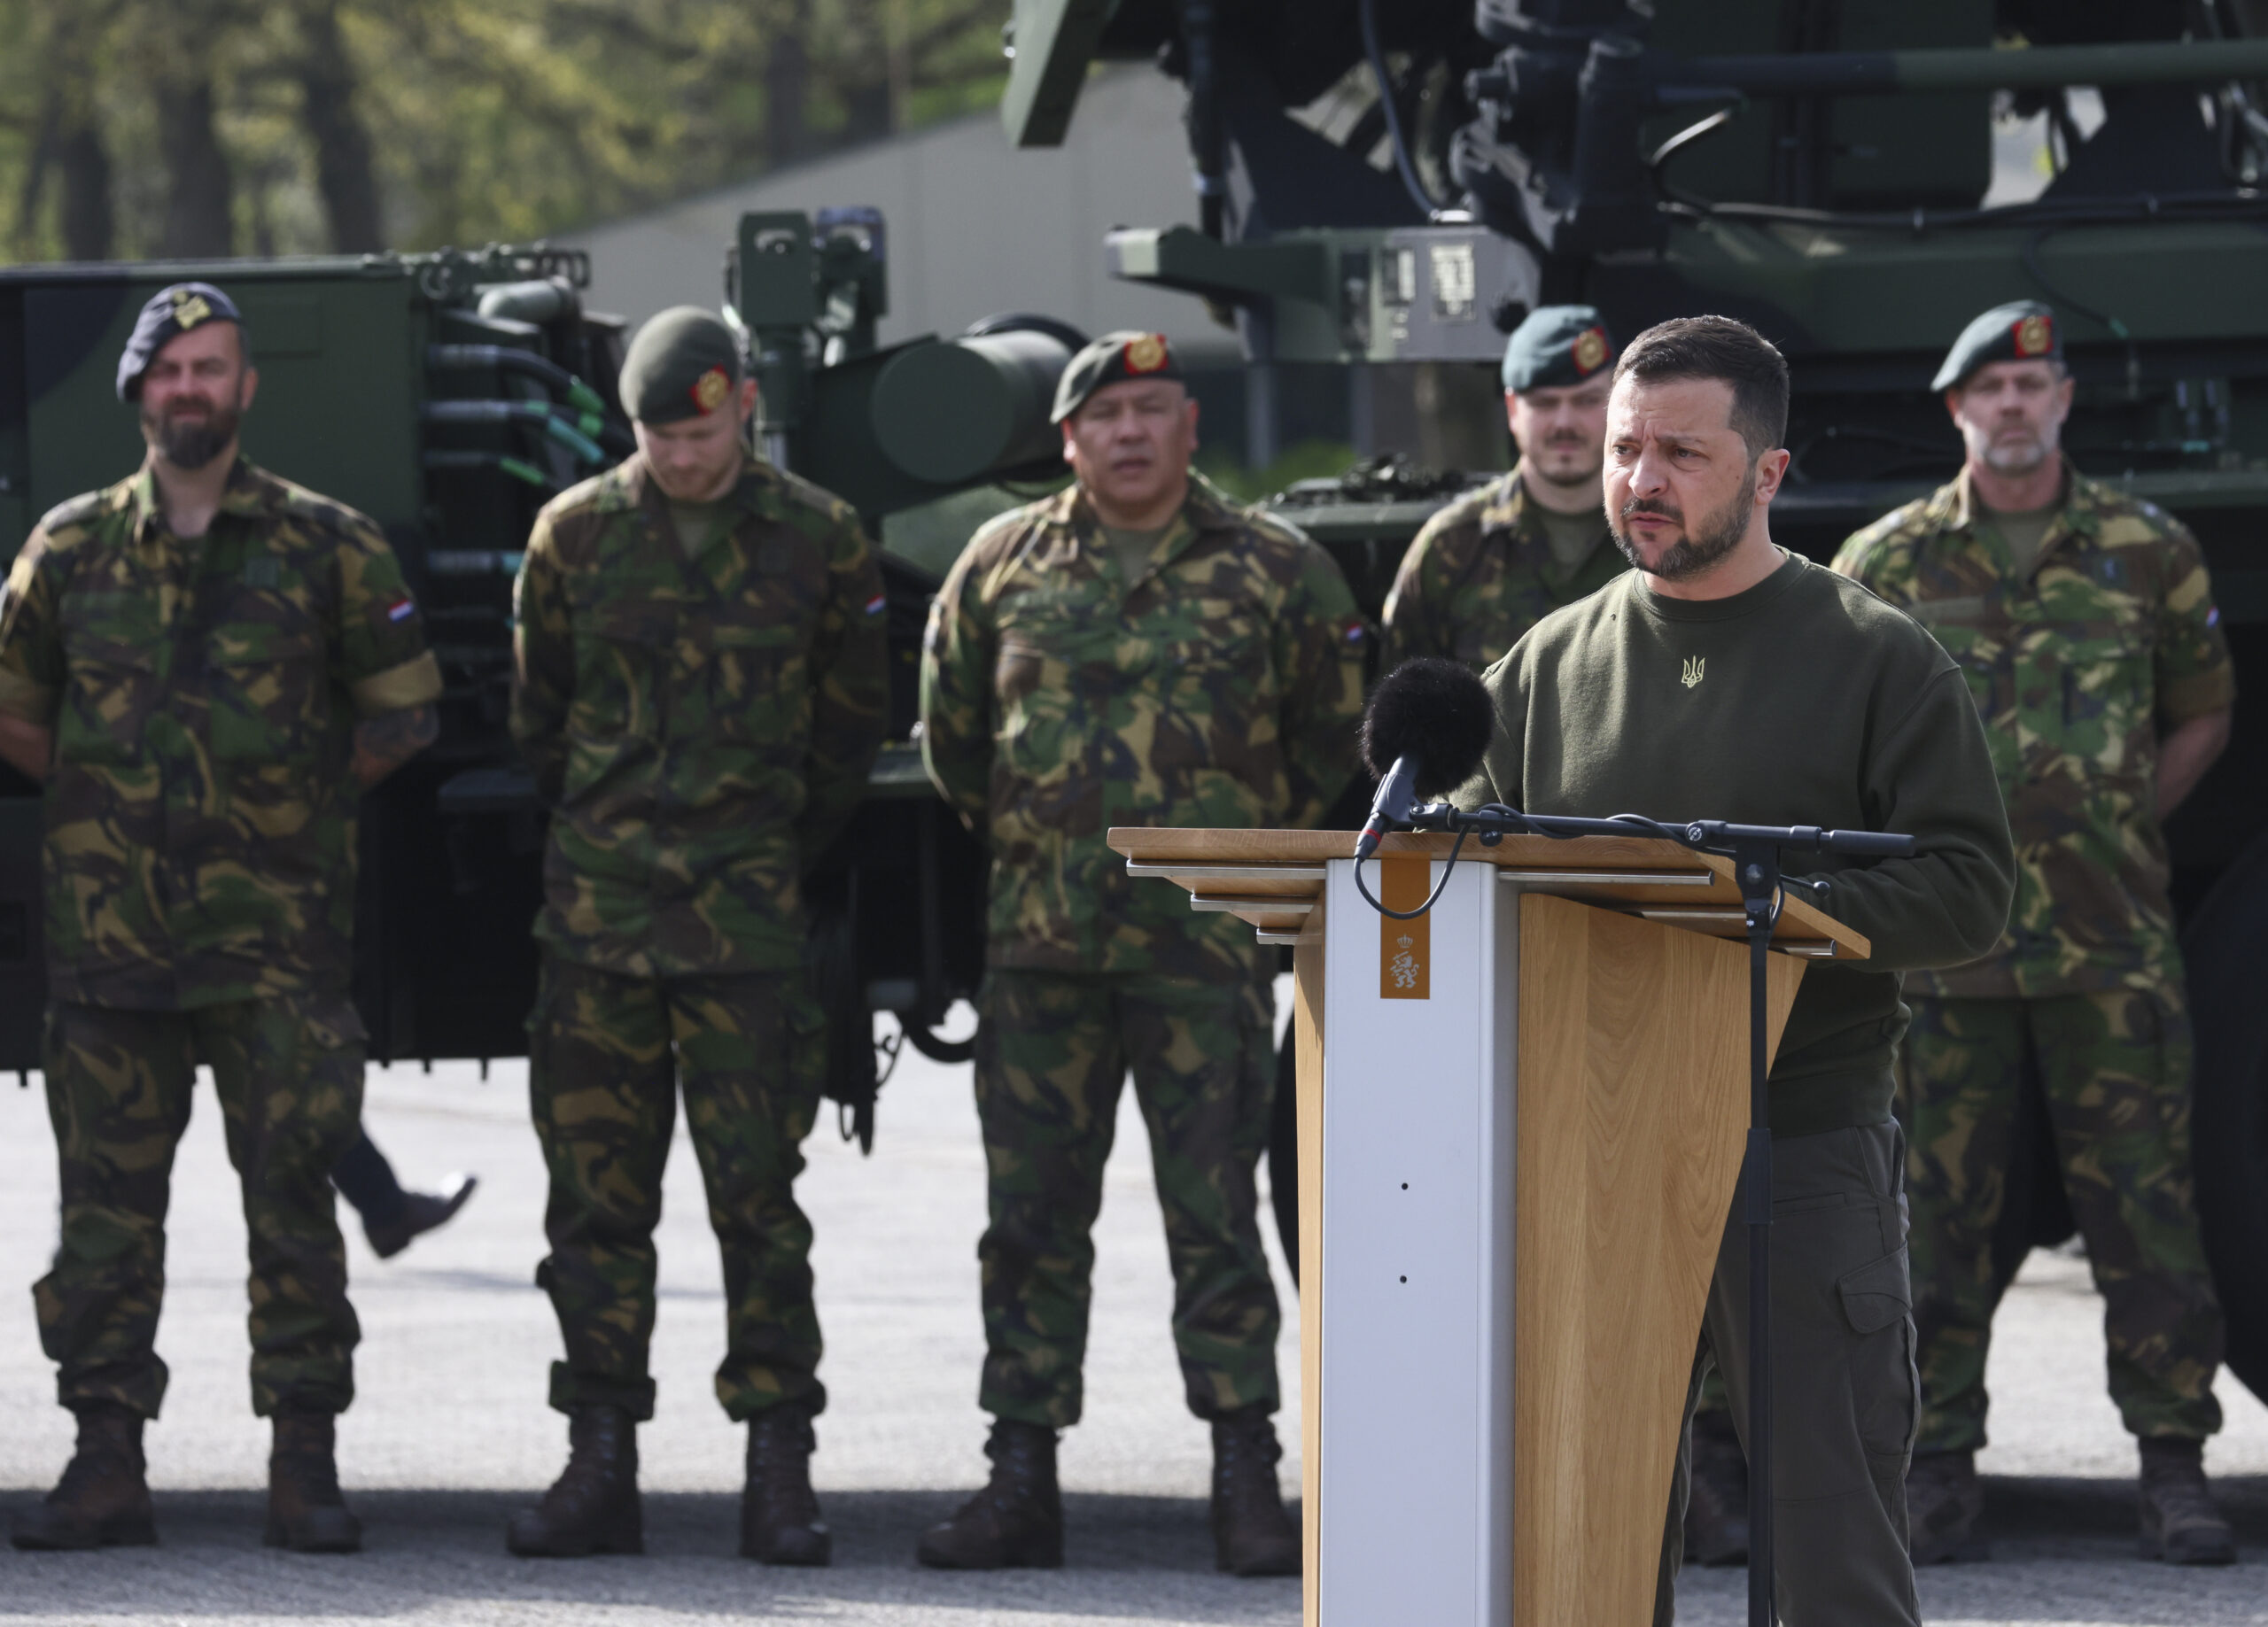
(450, 1431)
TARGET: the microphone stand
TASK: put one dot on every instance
(1755, 851)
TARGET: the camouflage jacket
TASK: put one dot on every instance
(1479, 575)
(1221, 688)
(203, 695)
(699, 726)
(2076, 669)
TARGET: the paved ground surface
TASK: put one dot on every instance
(450, 1433)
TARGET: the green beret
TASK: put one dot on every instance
(1114, 359)
(1557, 347)
(2022, 330)
(683, 364)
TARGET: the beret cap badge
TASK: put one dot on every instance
(2034, 336)
(1590, 349)
(190, 308)
(1145, 354)
(710, 389)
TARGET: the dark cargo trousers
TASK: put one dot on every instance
(1052, 1052)
(607, 1055)
(1844, 1395)
(2114, 1072)
(288, 1070)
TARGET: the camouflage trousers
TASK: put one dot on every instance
(1052, 1052)
(289, 1073)
(2114, 1069)
(607, 1056)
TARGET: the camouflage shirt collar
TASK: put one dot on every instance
(1206, 508)
(1955, 507)
(630, 485)
(1508, 507)
(250, 492)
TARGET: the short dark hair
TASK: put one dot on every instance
(1720, 348)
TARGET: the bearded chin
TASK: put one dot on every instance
(1698, 549)
(191, 443)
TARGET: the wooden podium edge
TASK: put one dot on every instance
(1166, 845)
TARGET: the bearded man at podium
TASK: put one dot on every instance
(1726, 677)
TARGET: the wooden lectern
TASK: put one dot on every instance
(1518, 1149)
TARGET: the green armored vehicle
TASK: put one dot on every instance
(448, 396)
(1395, 183)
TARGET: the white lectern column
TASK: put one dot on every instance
(1417, 1269)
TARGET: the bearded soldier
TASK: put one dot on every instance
(206, 664)
(2084, 622)
(701, 692)
(1134, 651)
(1495, 561)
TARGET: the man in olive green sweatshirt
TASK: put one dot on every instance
(1724, 678)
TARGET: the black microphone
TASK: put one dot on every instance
(1427, 729)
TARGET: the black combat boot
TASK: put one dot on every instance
(2180, 1525)
(306, 1512)
(779, 1522)
(1253, 1533)
(1016, 1520)
(592, 1506)
(103, 1500)
(419, 1213)
(1716, 1506)
(1944, 1506)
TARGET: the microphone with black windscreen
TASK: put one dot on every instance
(1425, 732)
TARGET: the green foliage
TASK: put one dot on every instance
(472, 120)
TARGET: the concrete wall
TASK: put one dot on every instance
(975, 227)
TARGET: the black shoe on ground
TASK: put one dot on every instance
(1716, 1506)
(103, 1499)
(1253, 1532)
(1945, 1509)
(779, 1522)
(593, 1507)
(420, 1213)
(2180, 1525)
(306, 1511)
(1016, 1520)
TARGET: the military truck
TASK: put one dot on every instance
(1396, 185)
(448, 395)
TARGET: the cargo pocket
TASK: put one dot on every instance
(1878, 1303)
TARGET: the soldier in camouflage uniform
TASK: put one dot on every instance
(701, 689)
(2086, 623)
(1498, 560)
(1134, 651)
(202, 662)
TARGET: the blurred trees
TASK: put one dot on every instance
(131, 128)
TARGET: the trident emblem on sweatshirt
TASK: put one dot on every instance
(1693, 666)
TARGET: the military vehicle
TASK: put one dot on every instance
(1397, 184)
(1817, 167)
(447, 396)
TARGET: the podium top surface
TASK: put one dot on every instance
(1273, 878)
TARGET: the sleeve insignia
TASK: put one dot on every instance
(1145, 354)
(1589, 349)
(2035, 336)
(710, 389)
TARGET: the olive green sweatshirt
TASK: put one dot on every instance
(1804, 700)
